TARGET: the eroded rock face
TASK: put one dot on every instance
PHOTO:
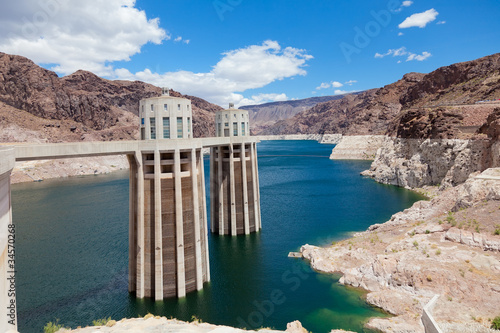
(372, 112)
(492, 125)
(357, 147)
(84, 97)
(412, 163)
(427, 124)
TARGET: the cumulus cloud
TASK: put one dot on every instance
(252, 67)
(340, 92)
(400, 34)
(418, 57)
(420, 19)
(262, 98)
(326, 85)
(404, 4)
(77, 34)
(351, 82)
(323, 85)
(403, 52)
(394, 52)
(441, 22)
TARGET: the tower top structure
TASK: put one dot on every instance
(232, 122)
(166, 117)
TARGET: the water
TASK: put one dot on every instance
(72, 248)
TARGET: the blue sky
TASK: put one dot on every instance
(251, 51)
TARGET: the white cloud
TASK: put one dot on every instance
(420, 19)
(404, 4)
(417, 57)
(351, 82)
(326, 85)
(77, 34)
(340, 92)
(401, 52)
(323, 85)
(394, 52)
(400, 34)
(262, 98)
(180, 39)
(441, 22)
(251, 67)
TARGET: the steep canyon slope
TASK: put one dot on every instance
(264, 115)
(95, 108)
(372, 112)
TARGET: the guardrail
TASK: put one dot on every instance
(430, 324)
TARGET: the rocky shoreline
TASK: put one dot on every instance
(152, 323)
(357, 147)
(50, 169)
(448, 246)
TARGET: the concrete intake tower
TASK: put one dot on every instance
(168, 219)
(234, 177)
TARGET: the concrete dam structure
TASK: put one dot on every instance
(168, 205)
(168, 223)
(234, 179)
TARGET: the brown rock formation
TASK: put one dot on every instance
(92, 103)
(492, 125)
(427, 124)
(375, 111)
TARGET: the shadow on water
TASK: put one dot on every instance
(72, 248)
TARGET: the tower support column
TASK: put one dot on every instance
(168, 223)
(235, 188)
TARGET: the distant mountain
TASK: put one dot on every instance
(265, 115)
(450, 92)
(80, 106)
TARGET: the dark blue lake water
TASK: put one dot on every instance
(72, 247)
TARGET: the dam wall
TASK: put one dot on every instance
(7, 245)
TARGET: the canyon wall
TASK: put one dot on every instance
(413, 163)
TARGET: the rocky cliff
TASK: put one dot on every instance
(265, 115)
(425, 152)
(373, 111)
(84, 101)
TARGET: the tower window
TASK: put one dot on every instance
(153, 128)
(165, 107)
(180, 133)
(243, 128)
(152, 107)
(166, 128)
(235, 129)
